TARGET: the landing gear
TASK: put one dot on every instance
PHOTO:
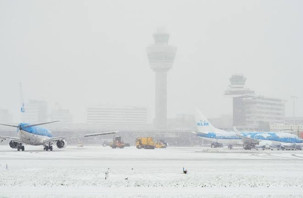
(48, 147)
(247, 147)
(20, 147)
(216, 145)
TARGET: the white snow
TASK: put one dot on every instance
(130, 172)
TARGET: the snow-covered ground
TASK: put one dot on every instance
(80, 172)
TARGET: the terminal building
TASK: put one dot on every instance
(291, 124)
(117, 117)
(251, 111)
(35, 111)
(62, 115)
(5, 116)
(257, 112)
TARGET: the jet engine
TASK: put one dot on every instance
(13, 144)
(61, 144)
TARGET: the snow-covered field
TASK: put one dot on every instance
(80, 172)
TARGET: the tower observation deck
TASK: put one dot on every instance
(161, 57)
(237, 86)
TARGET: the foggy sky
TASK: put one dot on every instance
(81, 53)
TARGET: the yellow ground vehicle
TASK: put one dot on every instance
(161, 144)
(145, 142)
(149, 143)
(118, 143)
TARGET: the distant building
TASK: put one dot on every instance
(62, 115)
(115, 117)
(35, 111)
(287, 127)
(222, 122)
(290, 124)
(251, 111)
(257, 112)
(294, 120)
(5, 116)
(181, 121)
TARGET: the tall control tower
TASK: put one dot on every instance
(161, 57)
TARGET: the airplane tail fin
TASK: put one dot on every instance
(22, 100)
(202, 123)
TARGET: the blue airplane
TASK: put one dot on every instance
(249, 139)
(33, 134)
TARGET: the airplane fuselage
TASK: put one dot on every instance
(269, 136)
(34, 135)
(32, 139)
(223, 141)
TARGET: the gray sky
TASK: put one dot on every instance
(81, 53)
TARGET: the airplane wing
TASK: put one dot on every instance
(38, 124)
(9, 125)
(245, 138)
(15, 139)
(249, 139)
(97, 134)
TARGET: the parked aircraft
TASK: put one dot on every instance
(248, 138)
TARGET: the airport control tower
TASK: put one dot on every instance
(161, 57)
(237, 86)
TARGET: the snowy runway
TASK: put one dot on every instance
(81, 172)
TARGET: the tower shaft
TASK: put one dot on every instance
(161, 99)
(161, 56)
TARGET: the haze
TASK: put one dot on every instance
(81, 53)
